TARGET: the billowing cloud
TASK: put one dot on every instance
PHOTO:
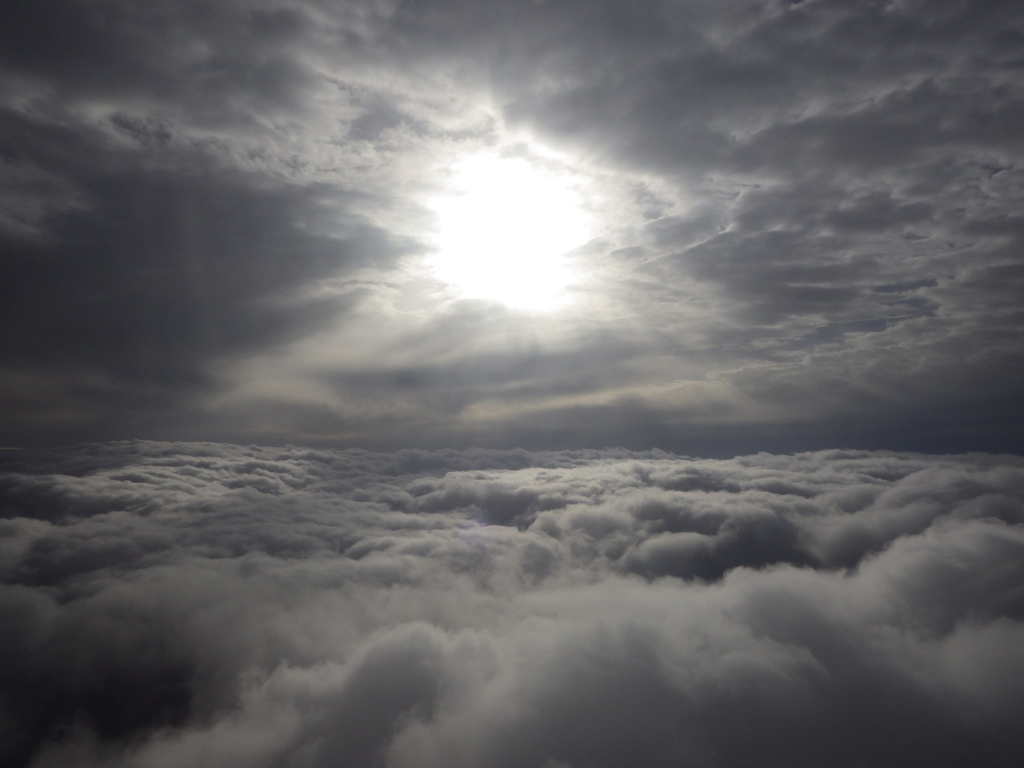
(175, 604)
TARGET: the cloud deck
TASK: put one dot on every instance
(181, 604)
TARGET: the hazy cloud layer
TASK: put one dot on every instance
(212, 222)
(182, 604)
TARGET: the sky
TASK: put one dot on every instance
(707, 227)
(511, 384)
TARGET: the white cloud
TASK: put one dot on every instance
(259, 606)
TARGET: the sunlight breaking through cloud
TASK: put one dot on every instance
(504, 229)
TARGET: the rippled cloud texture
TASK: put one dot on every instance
(215, 223)
(198, 604)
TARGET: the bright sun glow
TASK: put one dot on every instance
(504, 231)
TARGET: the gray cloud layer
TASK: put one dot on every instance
(210, 215)
(184, 604)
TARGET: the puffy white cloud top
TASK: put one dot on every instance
(192, 604)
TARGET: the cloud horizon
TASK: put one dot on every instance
(167, 604)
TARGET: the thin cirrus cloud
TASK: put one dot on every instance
(168, 604)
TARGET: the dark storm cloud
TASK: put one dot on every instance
(153, 228)
(168, 604)
(157, 259)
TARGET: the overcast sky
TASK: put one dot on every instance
(221, 220)
(625, 384)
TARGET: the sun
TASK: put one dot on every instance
(503, 231)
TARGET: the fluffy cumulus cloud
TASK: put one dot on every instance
(207, 604)
(214, 218)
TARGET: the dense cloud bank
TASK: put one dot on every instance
(202, 604)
